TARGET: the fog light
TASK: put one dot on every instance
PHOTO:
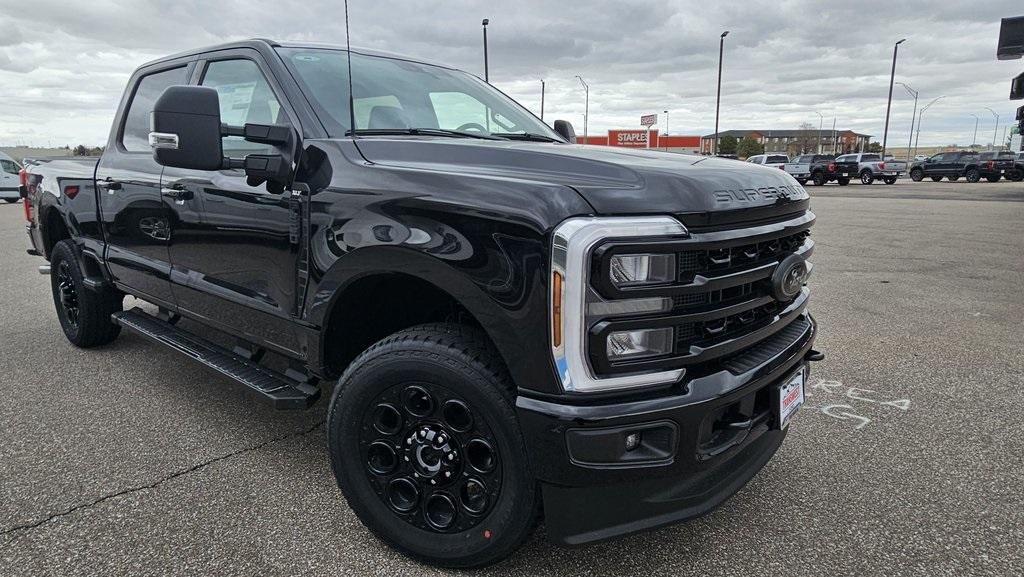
(624, 345)
(642, 269)
(632, 441)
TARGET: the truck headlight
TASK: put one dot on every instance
(624, 345)
(575, 307)
(641, 269)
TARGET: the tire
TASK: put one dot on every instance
(375, 405)
(936, 179)
(992, 178)
(12, 200)
(972, 174)
(866, 177)
(917, 175)
(802, 181)
(953, 178)
(1015, 175)
(84, 314)
(818, 179)
(890, 180)
(843, 181)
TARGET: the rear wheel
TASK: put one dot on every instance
(992, 178)
(12, 200)
(1016, 175)
(843, 181)
(890, 180)
(917, 175)
(866, 177)
(818, 178)
(84, 313)
(972, 174)
(426, 448)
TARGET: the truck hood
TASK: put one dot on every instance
(699, 190)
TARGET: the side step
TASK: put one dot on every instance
(282, 391)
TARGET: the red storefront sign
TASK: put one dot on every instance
(631, 138)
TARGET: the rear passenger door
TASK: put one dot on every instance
(136, 223)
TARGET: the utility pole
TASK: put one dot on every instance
(542, 99)
(888, 105)
(821, 120)
(995, 130)
(718, 97)
(586, 107)
(920, 115)
(913, 115)
(487, 76)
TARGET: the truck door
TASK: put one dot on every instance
(136, 223)
(233, 255)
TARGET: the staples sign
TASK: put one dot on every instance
(636, 138)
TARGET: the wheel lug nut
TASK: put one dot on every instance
(433, 482)
(447, 473)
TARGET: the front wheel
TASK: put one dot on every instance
(802, 181)
(843, 181)
(84, 314)
(426, 447)
(818, 178)
(866, 177)
(992, 178)
(1016, 175)
(917, 175)
(890, 180)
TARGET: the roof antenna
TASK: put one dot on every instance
(351, 101)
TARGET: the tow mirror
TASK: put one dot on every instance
(187, 132)
(565, 130)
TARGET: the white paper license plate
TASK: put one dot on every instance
(791, 396)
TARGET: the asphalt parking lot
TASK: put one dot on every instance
(906, 460)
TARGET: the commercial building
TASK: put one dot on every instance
(793, 142)
(637, 138)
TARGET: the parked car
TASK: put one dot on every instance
(9, 169)
(920, 157)
(820, 169)
(1017, 174)
(871, 166)
(518, 326)
(950, 165)
(996, 163)
(775, 160)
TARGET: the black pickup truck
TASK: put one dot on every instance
(951, 165)
(996, 164)
(821, 169)
(510, 323)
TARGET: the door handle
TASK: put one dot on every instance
(109, 185)
(179, 193)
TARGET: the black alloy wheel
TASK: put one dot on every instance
(67, 294)
(890, 180)
(973, 175)
(430, 458)
(818, 178)
(917, 175)
(992, 178)
(84, 313)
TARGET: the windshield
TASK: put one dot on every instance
(392, 95)
(777, 159)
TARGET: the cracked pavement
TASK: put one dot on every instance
(130, 460)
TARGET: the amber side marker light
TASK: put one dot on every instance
(556, 309)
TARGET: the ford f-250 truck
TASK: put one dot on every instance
(517, 324)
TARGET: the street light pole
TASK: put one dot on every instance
(542, 99)
(974, 140)
(718, 96)
(586, 107)
(888, 105)
(913, 115)
(821, 121)
(920, 115)
(666, 130)
(834, 135)
(995, 130)
(487, 77)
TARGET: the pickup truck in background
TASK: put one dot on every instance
(9, 169)
(518, 326)
(821, 169)
(772, 160)
(996, 164)
(949, 165)
(870, 166)
(1017, 174)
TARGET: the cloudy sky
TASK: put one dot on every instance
(63, 64)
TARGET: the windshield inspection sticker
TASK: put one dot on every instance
(845, 403)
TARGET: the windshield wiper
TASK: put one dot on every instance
(421, 131)
(525, 136)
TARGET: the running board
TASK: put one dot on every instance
(283, 392)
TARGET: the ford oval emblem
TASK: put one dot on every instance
(789, 277)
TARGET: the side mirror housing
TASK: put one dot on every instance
(565, 130)
(185, 125)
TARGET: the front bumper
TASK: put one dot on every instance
(592, 491)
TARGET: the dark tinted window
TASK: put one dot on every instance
(9, 166)
(135, 136)
(776, 158)
(245, 97)
(870, 157)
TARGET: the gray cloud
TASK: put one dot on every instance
(63, 66)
